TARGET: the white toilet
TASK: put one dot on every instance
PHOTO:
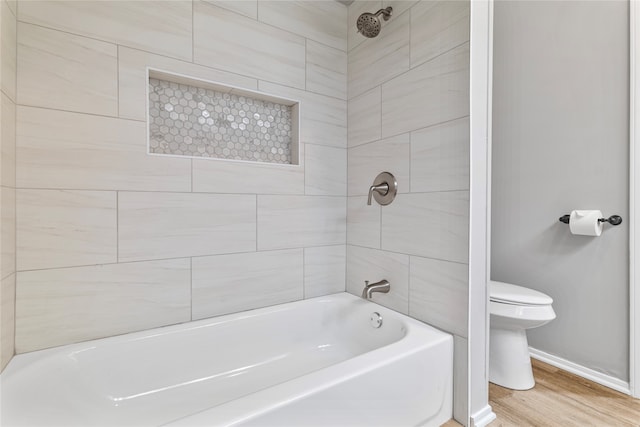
(514, 309)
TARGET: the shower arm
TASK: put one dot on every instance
(386, 12)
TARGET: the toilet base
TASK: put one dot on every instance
(509, 359)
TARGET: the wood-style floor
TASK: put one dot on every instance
(561, 399)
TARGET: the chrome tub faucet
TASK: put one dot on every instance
(382, 286)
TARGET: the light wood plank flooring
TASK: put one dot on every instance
(561, 399)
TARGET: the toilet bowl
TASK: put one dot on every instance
(514, 309)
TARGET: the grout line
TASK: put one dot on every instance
(335, 98)
(193, 31)
(380, 222)
(66, 32)
(176, 258)
(8, 275)
(256, 222)
(346, 264)
(191, 286)
(15, 181)
(406, 254)
(409, 11)
(410, 162)
(304, 277)
(381, 104)
(415, 192)
(118, 81)
(117, 226)
(449, 121)
(105, 263)
(409, 286)
(15, 14)
(183, 192)
(84, 113)
(13, 101)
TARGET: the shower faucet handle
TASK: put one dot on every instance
(384, 189)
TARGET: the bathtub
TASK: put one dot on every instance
(317, 362)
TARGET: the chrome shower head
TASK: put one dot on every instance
(369, 23)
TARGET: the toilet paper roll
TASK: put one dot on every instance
(585, 223)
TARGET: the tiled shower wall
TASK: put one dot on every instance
(112, 240)
(7, 179)
(408, 108)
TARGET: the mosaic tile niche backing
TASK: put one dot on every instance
(190, 121)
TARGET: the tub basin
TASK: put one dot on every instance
(317, 362)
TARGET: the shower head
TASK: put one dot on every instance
(369, 23)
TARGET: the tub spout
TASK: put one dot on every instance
(381, 286)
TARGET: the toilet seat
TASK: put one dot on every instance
(507, 293)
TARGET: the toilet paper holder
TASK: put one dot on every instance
(613, 219)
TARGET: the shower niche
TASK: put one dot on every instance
(189, 117)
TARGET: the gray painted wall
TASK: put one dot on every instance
(560, 142)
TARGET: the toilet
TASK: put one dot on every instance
(514, 309)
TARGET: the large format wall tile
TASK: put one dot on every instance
(221, 176)
(62, 306)
(7, 141)
(163, 27)
(173, 225)
(367, 161)
(436, 27)
(7, 319)
(324, 270)
(8, 51)
(76, 73)
(256, 49)
(326, 70)
(300, 221)
(325, 170)
(231, 283)
(374, 265)
(322, 21)
(363, 222)
(58, 228)
(57, 149)
(7, 231)
(440, 294)
(440, 157)
(132, 78)
(323, 119)
(379, 59)
(434, 92)
(434, 225)
(244, 7)
(364, 117)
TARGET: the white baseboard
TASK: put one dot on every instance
(574, 368)
(483, 417)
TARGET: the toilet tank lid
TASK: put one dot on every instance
(513, 294)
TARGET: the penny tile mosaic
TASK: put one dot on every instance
(190, 121)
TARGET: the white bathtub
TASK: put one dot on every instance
(317, 362)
